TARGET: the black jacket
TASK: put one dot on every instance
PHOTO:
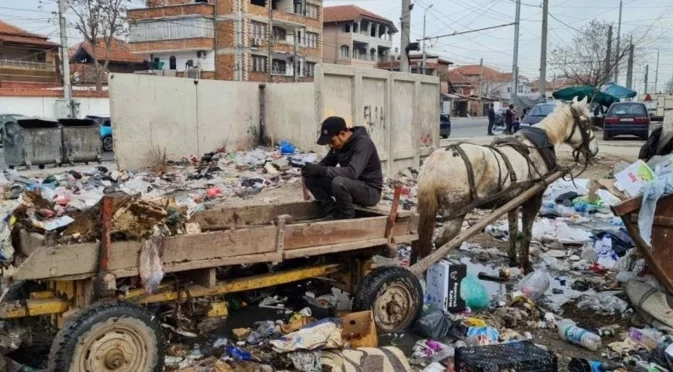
(358, 160)
(491, 114)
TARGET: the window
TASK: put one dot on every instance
(279, 67)
(312, 11)
(347, 28)
(345, 53)
(187, 28)
(627, 109)
(258, 63)
(279, 34)
(258, 2)
(298, 7)
(372, 54)
(310, 69)
(172, 64)
(509, 90)
(311, 40)
(258, 30)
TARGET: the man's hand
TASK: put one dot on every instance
(313, 170)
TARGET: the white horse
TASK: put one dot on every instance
(445, 184)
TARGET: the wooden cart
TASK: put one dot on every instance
(659, 255)
(105, 329)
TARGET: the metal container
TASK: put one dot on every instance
(81, 140)
(32, 142)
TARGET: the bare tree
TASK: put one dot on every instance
(99, 22)
(584, 61)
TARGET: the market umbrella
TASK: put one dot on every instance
(618, 91)
(567, 94)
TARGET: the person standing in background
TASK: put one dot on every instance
(491, 119)
(509, 118)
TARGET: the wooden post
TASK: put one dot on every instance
(104, 279)
(421, 266)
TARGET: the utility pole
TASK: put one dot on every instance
(608, 56)
(629, 67)
(656, 73)
(515, 62)
(425, 13)
(647, 70)
(481, 76)
(543, 50)
(404, 42)
(65, 62)
(618, 53)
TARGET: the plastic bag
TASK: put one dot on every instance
(474, 293)
(435, 324)
(603, 304)
(151, 270)
(534, 284)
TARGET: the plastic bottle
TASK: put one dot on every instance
(570, 332)
(534, 284)
(582, 209)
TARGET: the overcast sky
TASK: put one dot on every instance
(494, 46)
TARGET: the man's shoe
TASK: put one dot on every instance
(491, 134)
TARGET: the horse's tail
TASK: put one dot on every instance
(428, 205)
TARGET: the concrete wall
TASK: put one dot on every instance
(179, 116)
(183, 116)
(400, 111)
(45, 107)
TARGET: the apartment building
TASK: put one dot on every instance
(243, 40)
(356, 36)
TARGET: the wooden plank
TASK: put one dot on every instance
(627, 206)
(76, 259)
(334, 248)
(421, 266)
(334, 232)
(404, 239)
(227, 217)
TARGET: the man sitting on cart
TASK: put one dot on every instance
(357, 180)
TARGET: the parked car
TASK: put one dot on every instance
(626, 118)
(444, 125)
(105, 131)
(5, 118)
(538, 112)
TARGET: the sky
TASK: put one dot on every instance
(653, 17)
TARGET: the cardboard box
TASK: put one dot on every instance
(608, 185)
(634, 177)
(443, 286)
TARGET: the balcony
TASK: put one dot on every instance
(184, 28)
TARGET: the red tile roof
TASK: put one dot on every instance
(15, 35)
(476, 70)
(119, 51)
(349, 13)
(456, 78)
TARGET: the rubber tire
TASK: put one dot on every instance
(377, 280)
(606, 136)
(20, 290)
(445, 136)
(108, 148)
(64, 345)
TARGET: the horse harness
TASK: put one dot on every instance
(541, 143)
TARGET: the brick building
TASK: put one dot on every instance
(244, 40)
(26, 59)
(356, 36)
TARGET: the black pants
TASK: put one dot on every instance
(509, 128)
(337, 196)
(490, 125)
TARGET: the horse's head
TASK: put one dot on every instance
(580, 135)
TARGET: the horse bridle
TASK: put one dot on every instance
(587, 137)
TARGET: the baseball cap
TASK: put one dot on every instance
(332, 126)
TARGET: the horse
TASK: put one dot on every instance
(461, 177)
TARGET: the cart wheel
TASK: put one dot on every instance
(394, 295)
(41, 166)
(109, 336)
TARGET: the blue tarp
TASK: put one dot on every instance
(618, 91)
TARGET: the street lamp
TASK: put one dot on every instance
(425, 13)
